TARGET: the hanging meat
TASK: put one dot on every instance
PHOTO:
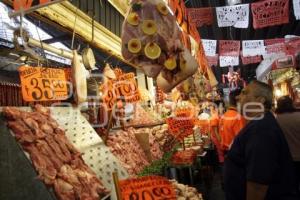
(151, 41)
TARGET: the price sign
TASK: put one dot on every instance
(147, 188)
(32, 4)
(180, 127)
(125, 88)
(43, 84)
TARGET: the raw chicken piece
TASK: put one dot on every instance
(64, 190)
(21, 131)
(12, 113)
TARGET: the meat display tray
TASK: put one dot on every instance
(86, 140)
(17, 175)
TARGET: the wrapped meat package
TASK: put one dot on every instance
(151, 41)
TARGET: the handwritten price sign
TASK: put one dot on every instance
(125, 87)
(43, 84)
(147, 188)
(180, 128)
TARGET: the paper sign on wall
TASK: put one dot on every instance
(43, 84)
(148, 188)
(296, 5)
(180, 127)
(253, 47)
(270, 13)
(226, 61)
(210, 47)
(236, 16)
(229, 47)
(201, 16)
(275, 45)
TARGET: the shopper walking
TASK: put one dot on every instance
(258, 165)
(289, 120)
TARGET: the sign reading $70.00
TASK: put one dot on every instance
(43, 84)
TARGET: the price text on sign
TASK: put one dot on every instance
(180, 128)
(26, 4)
(43, 84)
(124, 88)
(147, 188)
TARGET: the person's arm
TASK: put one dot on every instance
(256, 191)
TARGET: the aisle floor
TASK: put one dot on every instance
(211, 187)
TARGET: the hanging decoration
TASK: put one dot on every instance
(270, 13)
(229, 47)
(226, 61)
(210, 47)
(253, 47)
(213, 60)
(236, 16)
(201, 16)
(275, 45)
(251, 59)
(296, 6)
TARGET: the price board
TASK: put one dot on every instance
(32, 4)
(43, 84)
(180, 127)
(124, 88)
(147, 188)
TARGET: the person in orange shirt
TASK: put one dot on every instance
(231, 122)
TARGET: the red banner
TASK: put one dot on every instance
(270, 13)
(213, 60)
(229, 47)
(251, 59)
(275, 45)
(201, 16)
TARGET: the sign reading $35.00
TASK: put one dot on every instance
(43, 84)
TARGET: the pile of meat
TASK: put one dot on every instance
(151, 39)
(184, 192)
(156, 152)
(58, 163)
(126, 148)
(166, 141)
(134, 153)
(141, 116)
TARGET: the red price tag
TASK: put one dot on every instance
(180, 127)
(27, 4)
(43, 84)
(147, 188)
(125, 87)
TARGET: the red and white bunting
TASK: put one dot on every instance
(251, 59)
(210, 47)
(270, 13)
(229, 47)
(236, 16)
(213, 60)
(226, 61)
(201, 16)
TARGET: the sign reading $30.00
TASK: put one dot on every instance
(43, 84)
